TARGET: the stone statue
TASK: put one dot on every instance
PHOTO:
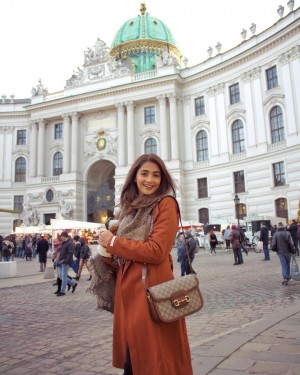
(30, 216)
(39, 89)
(65, 209)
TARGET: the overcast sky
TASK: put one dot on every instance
(47, 38)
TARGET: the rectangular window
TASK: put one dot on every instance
(272, 78)
(199, 106)
(279, 174)
(202, 187)
(21, 137)
(234, 92)
(239, 182)
(18, 202)
(149, 115)
(58, 131)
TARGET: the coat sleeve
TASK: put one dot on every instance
(159, 245)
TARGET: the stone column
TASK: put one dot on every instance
(164, 139)
(130, 132)
(121, 133)
(66, 135)
(41, 148)
(33, 149)
(173, 126)
(74, 144)
(188, 142)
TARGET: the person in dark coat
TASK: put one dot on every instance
(293, 230)
(41, 250)
(283, 244)
(64, 262)
(235, 239)
(264, 237)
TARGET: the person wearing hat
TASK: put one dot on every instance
(283, 244)
(64, 262)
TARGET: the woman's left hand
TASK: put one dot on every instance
(105, 237)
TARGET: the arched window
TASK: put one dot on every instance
(57, 164)
(203, 215)
(238, 141)
(151, 146)
(20, 170)
(281, 208)
(202, 145)
(276, 121)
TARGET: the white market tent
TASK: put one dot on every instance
(57, 224)
(33, 229)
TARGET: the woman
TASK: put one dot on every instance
(141, 346)
(235, 239)
(213, 242)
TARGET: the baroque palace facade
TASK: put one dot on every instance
(225, 127)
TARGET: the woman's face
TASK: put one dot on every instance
(148, 178)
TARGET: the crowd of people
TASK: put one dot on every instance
(283, 239)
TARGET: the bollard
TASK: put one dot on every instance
(49, 273)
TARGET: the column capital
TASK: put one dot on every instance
(161, 99)
(65, 116)
(130, 104)
(41, 121)
(172, 97)
(120, 106)
(75, 115)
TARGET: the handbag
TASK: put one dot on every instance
(174, 299)
(260, 245)
(295, 272)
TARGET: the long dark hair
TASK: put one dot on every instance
(130, 199)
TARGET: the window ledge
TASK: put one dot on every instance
(201, 164)
(276, 146)
(238, 156)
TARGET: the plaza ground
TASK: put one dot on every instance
(250, 323)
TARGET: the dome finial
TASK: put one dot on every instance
(143, 8)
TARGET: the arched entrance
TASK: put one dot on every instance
(100, 191)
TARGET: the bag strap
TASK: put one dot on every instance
(148, 232)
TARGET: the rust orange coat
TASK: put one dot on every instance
(155, 349)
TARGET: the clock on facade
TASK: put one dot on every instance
(101, 143)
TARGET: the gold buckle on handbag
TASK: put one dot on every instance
(181, 302)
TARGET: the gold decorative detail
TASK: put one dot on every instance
(101, 143)
(143, 8)
(101, 133)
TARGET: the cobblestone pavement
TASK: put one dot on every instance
(250, 324)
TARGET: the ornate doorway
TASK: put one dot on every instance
(100, 191)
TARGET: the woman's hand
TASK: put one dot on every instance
(105, 237)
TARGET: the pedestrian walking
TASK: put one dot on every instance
(213, 242)
(235, 239)
(64, 262)
(42, 248)
(283, 244)
(264, 237)
(226, 237)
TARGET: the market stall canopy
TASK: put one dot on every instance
(57, 224)
(34, 229)
(190, 224)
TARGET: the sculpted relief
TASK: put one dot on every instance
(98, 64)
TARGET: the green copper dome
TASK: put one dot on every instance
(141, 39)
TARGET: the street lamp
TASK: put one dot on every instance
(237, 207)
